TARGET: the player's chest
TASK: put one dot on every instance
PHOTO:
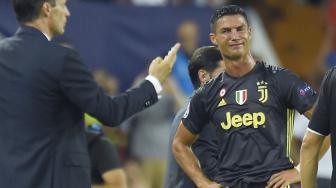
(244, 93)
(244, 103)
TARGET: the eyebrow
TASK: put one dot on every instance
(240, 26)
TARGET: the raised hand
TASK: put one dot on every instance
(161, 68)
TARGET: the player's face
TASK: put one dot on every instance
(58, 17)
(233, 36)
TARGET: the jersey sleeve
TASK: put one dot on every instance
(296, 93)
(195, 117)
(320, 121)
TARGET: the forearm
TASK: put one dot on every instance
(309, 157)
(325, 147)
(189, 163)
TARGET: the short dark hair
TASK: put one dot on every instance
(28, 10)
(228, 10)
(206, 58)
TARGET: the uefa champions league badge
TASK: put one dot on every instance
(222, 92)
(304, 90)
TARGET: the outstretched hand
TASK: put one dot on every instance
(161, 68)
(284, 178)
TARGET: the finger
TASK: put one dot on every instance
(279, 184)
(157, 60)
(272, 182)
(274, 176)
(172, 52)
(171, 56)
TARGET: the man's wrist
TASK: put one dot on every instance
(156, 83)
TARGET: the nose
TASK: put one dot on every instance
(234, 35)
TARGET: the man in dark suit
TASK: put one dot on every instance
(45, 88)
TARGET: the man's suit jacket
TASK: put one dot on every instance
(45, 88)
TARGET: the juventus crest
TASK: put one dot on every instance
(262, 89)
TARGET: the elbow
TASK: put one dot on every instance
(310, 146)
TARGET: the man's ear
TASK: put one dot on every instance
(45, 9)
(203, 76)
(213, 38)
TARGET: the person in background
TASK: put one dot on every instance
(188, 34)
(106, 167)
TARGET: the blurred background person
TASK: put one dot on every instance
(148, 135)
(188, 35)
(106, 168)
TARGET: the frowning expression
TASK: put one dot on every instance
(232, 35)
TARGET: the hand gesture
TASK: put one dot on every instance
(284, 178)
(161, 68)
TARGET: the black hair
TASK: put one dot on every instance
(28, 10)
(206, 58)
(228, 10)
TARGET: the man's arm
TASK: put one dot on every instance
(79, 87)
(291, 176)
(309, 113)
(115, 178)
(309, 158)
(187, 160)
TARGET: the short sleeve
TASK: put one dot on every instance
(320, 120)
(195, 117)
(295, 92)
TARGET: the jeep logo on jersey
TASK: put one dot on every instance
(241, 96)
(255, 119)
(262, 89)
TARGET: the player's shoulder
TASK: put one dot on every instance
(330, 76)
(276, 72)
(332, 72)
(270, 69)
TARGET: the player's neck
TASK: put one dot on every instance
(240, 67)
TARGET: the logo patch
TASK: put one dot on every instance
(222, 92)
(255, 120)
(221, 103)
(241, 96)
(262, 89)
(304, 90)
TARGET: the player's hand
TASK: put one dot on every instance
(161, 68)
(284, 178)
(211, 185)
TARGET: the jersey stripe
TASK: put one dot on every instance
(290, 127)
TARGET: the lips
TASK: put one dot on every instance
(236, 45)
